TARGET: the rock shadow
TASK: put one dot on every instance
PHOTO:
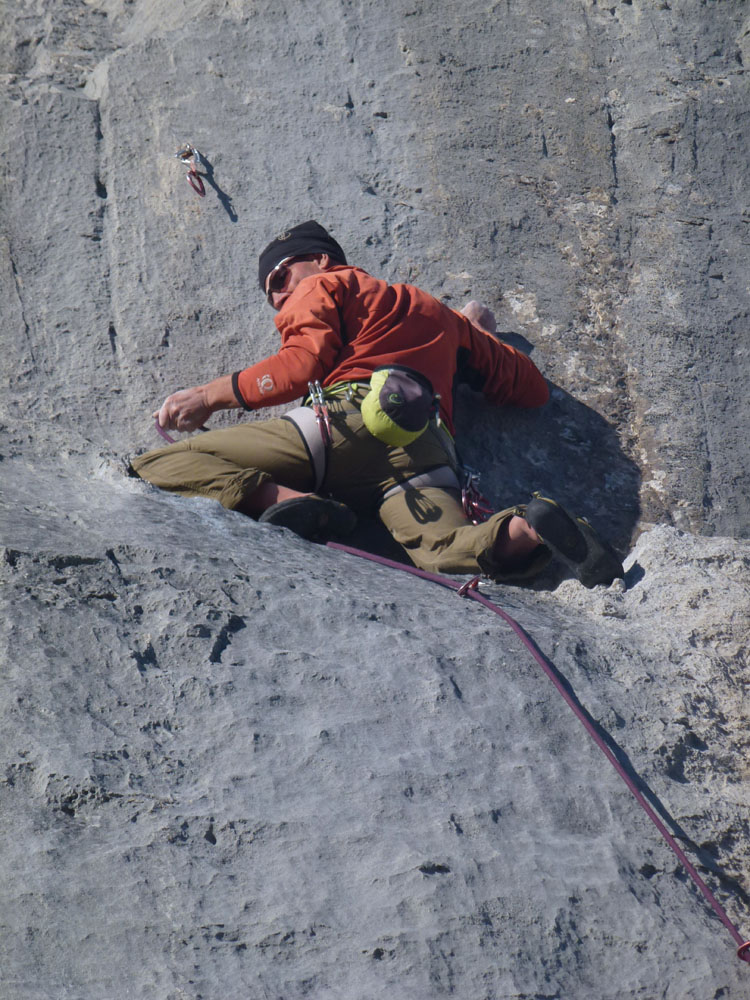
(706, 854)
(207, 173)
(565, 450)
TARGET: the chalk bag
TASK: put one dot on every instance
(398, 407)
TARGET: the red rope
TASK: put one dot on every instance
(470, 590)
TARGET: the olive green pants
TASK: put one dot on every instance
(228, 465)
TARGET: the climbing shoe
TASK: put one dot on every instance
(311, 517)
(573, 541)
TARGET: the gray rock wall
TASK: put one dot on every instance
(581, 168)
(236, 765)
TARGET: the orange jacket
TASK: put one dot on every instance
(339, 326)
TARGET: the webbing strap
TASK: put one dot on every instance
(469, 589)
(304, 419)
(443, 478)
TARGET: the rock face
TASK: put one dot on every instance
(237, 765)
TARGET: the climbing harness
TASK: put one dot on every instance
(314, 426)
(314, 418)
(306, 422)
(190, 156)
(443, 477)
(470, 589)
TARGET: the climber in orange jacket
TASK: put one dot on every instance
(387, 359)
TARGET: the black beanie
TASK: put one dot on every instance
(307, 237)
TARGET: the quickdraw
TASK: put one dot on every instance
(318, 401)
(190, 156)
(476, 505)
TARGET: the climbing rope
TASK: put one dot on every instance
(320, 409)
(470, 589)
(477, 505)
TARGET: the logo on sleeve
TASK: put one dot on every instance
(265, 384)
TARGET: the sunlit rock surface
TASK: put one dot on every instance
(237, 765)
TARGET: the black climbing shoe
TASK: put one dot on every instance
(574, 542)
(311, 517)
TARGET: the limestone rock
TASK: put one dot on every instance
(238, 765)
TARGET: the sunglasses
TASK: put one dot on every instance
(277, 277)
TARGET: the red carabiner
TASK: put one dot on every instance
(319, 408)
(192, 177)
(190, 156)
(472, 584)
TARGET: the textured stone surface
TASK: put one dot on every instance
(225, 778)
(236, 765)
(583, 169)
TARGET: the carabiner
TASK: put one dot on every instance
(318, 400)
(190, 156)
